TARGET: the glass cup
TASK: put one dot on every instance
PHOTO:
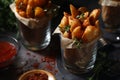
(80, 60)
(38, 37)
(111, 19)
(110, 13)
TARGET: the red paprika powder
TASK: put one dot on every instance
(37, 76)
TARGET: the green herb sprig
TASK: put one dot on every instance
(80, 16)
(78, 43)
(67, 28)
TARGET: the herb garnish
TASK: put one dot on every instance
(67, 28)
(80, 16)
(77, 43)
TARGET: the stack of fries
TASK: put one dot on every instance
(81, 24)
(32, 8)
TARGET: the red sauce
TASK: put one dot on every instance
(7, 51)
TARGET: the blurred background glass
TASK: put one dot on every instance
(111, 19)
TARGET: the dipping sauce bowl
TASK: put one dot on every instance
(9, 48)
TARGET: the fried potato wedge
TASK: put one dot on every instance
(77, 32)
(40, 2)
(29, 11)
(39, 12)
(74, 11)
(83, 16)
(74, 23)
(31, 3)
(86, 22)
(91, 33)
(22, 13)
(64, 22)
(17, 2)
(25, 2)
(82, 9)
(67, 34)
(30, 8)
(94, 15)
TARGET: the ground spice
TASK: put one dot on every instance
(50, 63)
(37, 76)
(43, 62)
(49, 67)
(28, 53)
(36, 65)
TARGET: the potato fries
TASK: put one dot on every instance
(74, 11)
(81, 24)
(31, 8)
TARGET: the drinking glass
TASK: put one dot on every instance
(36, 38)
(111, 19)
(37, 34)
(80, 60)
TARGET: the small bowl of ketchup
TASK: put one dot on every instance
(8, 50)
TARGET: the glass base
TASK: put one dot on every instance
(78, 71)
(112, 35)
(36, 48)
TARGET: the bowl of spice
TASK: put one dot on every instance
(37, 74)
(8, 50)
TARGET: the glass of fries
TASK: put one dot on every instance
(80, 31)
(34, 21)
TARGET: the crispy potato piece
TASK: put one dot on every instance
(73, 22)
(82, 9)
(74, 11)
(70, 20)
(66, 14)
(29, 11)
(22, 13)
(20, 5)
(40, 3)
(63, 24)
(39, 12)
(17, 2)
(86, 14)
(94, 16)
(77, 32)
(95, 13)
(86, 22)
(25, 2)
(64, 21)
(67, 34)
(91, 33)
(83, 16)
(31, 3)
